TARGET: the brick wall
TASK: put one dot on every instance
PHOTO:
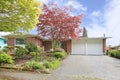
(34, 40)
(104, 45)
(68, 46)
(47, 45)
(11, 41)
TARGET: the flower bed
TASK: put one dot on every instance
(23, 59)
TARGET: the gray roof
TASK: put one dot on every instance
(19, 35)
(95, 37)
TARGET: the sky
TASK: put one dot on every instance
(100, 17)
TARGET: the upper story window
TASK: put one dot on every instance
(20, 41)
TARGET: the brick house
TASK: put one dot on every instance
(86, 46)
(115, 47)
(19, 40)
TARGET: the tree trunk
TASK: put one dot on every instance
(55, 44)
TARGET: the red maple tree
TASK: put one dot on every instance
(57, 24)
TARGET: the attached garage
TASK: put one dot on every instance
(89, 46)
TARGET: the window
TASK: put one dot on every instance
(5, 42)
(20, 41)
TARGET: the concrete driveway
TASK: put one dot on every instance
(94, 67)
(76, 67)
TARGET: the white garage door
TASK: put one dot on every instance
(78, 47)
(89, 47)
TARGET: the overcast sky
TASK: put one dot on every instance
(100, 17)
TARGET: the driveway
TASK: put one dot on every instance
(77, 67)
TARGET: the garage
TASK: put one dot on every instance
(88, 46)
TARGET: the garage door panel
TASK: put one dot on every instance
(78, 47)
(94, 47)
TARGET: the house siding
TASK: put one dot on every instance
(34, 40)
(68, 46)
(47, 45)
(11, 42)
(104, 46)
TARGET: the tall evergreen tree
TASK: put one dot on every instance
(85, 32)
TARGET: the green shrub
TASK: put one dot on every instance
(33, 54)
(32, 65)
(9, 47)
(114, 53)
(55, 64)
(31, 47)
(47, 64)
(5, 59)
(118, 55)
(39, 49)
(1, 52)
(49, 53)
(52, 64)
(59, 55)
(52, 59)
(20, 52)
(6, 49)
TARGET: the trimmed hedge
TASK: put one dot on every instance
(114, 53)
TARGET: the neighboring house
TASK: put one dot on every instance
(86, 46)
(2, 42)
(115, 47)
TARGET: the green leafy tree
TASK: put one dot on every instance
(18, 15)
(85, 32)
